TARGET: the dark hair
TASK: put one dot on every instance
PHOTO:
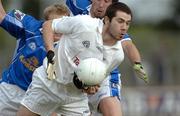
(118, 6)
(113, 1)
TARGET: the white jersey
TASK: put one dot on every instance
(113, 55)
(82, 38)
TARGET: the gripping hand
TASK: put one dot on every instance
(51, 65)
(85, 88)
(141, 72)
(78, 83)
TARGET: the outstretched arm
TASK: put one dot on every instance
(134, 56)
(131, 51)
(2, 12)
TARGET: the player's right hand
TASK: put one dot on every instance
(86, 89)
(51, 65)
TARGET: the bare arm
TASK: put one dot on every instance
(49, 40)
(131, 51)
(48, 35)
(134, 56)
(2, 12)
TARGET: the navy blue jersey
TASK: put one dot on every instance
(78, 6)
(30, 50)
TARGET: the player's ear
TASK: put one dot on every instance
(106, 20)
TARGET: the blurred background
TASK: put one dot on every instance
(155, 31)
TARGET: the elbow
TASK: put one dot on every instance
(47, 26)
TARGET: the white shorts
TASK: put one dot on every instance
(10, 98)
(110, 87)
(45, 96)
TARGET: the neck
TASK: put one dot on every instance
(107, 37)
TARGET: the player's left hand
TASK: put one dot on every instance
(141, 72)
(85, 88)
(51, 65)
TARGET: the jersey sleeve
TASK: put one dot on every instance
(17, 23)
(78, 6)
(126, 37)
(69, 25)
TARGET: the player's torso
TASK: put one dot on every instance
(73, 49)
(29, 53)
(113, 55)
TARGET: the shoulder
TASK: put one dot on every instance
(87, 21)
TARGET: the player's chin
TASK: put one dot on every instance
(99, 15)
(119, 37)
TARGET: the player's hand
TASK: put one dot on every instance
(90, 89)
(51, 65)
(141, 72)
(86, 89)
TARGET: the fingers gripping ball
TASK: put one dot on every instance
(91, 71)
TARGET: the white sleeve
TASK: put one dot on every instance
(67, 25)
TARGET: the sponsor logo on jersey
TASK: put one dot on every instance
(30, 63)
(76, 60)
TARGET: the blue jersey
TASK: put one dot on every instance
(78, 6)
(30, 50)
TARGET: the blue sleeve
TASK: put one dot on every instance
(12, 26)
(126, 37)
(78, 6)
(18, 24)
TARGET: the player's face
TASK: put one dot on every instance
(99, 7)
(119, 25)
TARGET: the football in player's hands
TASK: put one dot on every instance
(91, 71)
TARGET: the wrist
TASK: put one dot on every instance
(137, 63)
(50, 56)
(137, 66)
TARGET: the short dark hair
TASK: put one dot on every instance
(113, 1)
(118, 6)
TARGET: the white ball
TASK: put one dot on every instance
(91, 71)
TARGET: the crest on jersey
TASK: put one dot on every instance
(86, 43)
(32, 45)
(19, 15)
